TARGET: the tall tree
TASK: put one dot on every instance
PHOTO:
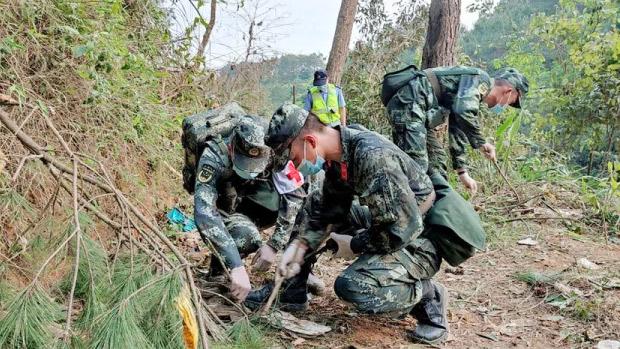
(340, 45)
(442, 33)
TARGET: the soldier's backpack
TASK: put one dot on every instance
(200, 128)
(394, 81)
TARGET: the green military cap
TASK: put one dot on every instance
(516, 79)
(249, 152)
(284, 127)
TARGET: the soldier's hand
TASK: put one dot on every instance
(344, 246)
(488, 150)
(292, 258)
(264, 258)
(239, 283)
(469, 183)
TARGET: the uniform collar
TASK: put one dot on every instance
(345, 138)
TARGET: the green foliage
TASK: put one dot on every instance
(284, 72)
(499, 25)
(533, 278)
(391, 43)
(145, 318)
(573, 60)
(28, 319)
(244, 334)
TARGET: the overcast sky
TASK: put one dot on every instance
(294, 26)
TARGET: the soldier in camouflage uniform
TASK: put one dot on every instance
(432, 95)
(399, 250)
(235, 197)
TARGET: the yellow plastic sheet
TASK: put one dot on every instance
(190, 327)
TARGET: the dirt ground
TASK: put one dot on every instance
(489, 307)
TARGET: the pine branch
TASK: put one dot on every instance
(49, 159)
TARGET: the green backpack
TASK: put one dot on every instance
(200, 128)
(394, 81)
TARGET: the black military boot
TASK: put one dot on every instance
(431, 313)
(293, 295)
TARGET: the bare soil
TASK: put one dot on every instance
(489, 307)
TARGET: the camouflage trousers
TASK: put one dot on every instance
(410, 112)
(389, 284)
(245, 234)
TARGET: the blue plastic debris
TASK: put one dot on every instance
(177, 217)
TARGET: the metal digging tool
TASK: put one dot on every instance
(280, 278)
(506, 180)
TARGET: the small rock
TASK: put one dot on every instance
(608, 344)
(586, 264)
(455, 270)
(528, 242)
(298, 341)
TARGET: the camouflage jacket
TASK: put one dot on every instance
(385, 179)
(220, 191)
(462, 91)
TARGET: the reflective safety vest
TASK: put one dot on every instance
(326, 112)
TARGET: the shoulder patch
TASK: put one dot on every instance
(206, 174)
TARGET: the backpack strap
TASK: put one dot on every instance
(432, 78)
(219, 146)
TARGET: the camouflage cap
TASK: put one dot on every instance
(284, 127)
(516, 79)
(249, 150)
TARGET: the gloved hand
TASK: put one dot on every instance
(292, 258)
(239, 283)
(344, 246)
(469, 183)
(488, 150)
(264, 258)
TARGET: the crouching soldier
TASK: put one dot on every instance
(235, 196)
(398, 252)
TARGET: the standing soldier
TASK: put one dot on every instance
(235, 196)
(326, 101)
(400, 250)
(418, 101)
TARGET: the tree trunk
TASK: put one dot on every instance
(209, 28)
(340, 45)
(441, 37)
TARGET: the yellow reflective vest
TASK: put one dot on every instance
(326, 112)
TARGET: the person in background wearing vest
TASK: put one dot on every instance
(326, 100)
(432, 95)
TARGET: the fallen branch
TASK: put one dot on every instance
(506, 179)
(48, 159)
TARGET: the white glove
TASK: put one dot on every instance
(344, 246)
(488, 150)
(264, 258)
(292, 259)
(239, 283)
(469, 183)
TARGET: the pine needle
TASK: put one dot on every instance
(162, 323)
(244, 335)
(534, 278)
(28, 318)
(119, 329)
